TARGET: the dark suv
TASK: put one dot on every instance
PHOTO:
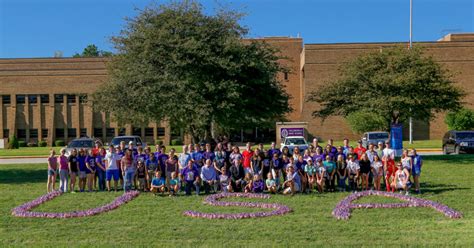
(458, 141)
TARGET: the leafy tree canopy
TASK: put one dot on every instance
(92, 51)
(362, 121)
(178, 64)
(463, 119)
(395, 83)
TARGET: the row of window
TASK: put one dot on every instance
(33, 99)
(72, 132)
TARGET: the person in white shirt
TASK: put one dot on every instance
(111, 168)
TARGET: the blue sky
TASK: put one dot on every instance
(38, 28)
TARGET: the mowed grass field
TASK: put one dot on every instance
(44, 151)
(158, 221)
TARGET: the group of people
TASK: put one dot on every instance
(225, 168)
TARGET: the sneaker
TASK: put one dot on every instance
(407, 193)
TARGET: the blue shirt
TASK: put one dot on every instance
(209, 155)
(151, 164)
(158, 181)
(208, 173)
(184, 159)
(100, 160)
(82, 163)
(273, 151)
(197, 157)
(300, 165)
(417, 160)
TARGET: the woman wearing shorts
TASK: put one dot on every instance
(401, 179)
(81, 160)
(364, 164)
(63, 171)
(90, 164)
(52, 167)
(128, 170)
(377, 171)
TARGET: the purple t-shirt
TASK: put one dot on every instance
(91, 161)
(190, 174)
(99, 160)
(257, 186)
(209, 155)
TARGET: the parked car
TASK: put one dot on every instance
(294, 141)
(137, 141)
(458, 141)
(374, 138)
(86, 143)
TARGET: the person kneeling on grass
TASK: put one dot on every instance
(174, 184)
(257, 184)
(158, 183)
(401, 179)
(208, 176)
(225, 181)
(270, 183)
(247, 183)
(292, 184)
(190, 176)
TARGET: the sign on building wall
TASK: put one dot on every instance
(285, 132)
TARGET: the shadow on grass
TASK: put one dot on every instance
(21, 176)
(427, 187)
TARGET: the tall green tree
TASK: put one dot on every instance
(395, 83)
(92, 51)
(463, 119)
(176, 63)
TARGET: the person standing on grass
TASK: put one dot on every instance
(219, 161)
(128, 170)
(318, 154)
(299, 166)
(52, 168)
(273, 150)
(100, 162)
(208, 177)
(151, 165)
(247, 157)
(353, 170)
(91, 168)
(73, 169)
(198, 158)
(359, 150)
(341, 171)
(406, 160)
(416, 171)
(209, 154)
(379, 149)
(237, 175)
(377, 171)
(171, 165)
(63, 171)
(316, 144)
(276, 165)
(320, 175)
(330, 167)
(365, 168)
(81, 160)
(235, 155)
(190, 176)
(112, 171)
(256, 163)
(345, 147)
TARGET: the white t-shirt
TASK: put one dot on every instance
(389, 153)
(112, 160)
(353, 166)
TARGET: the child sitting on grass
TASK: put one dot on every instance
(257, 184)
(247, 182)
(225, 181)
(158, 184)
(271, 184)
(174, 184)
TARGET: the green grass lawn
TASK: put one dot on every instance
(150, 220)
(44, 151)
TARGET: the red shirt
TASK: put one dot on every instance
(359, 151)
(247, 157)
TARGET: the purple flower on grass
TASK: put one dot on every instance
(214, 201)
(343, 208)
(24, 210)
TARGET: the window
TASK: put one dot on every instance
(32, 99)
(98, 132)
(110, 132)
(137, 131)
(44, 98)
(71, 133)
(83, 98)
(44, 133)
(58, 98)
(6, 99)
(161, 131)
(71, 98)
(121, 131)
(21, 133)
(149, 131)
(6, 133)
(286, 75)
(83, 132)
(20, 99)
(33, 133)
(59, 133)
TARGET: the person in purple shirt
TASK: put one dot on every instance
(274, 150)
(340, 151)
(157, 151)
(91, 168)
(209, 154)
(81, 160)
(257, 184)
(318, 155)
(100, 164)
(190, 176)
(162, 161)
(198, 157)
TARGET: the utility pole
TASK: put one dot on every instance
(411, 34)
